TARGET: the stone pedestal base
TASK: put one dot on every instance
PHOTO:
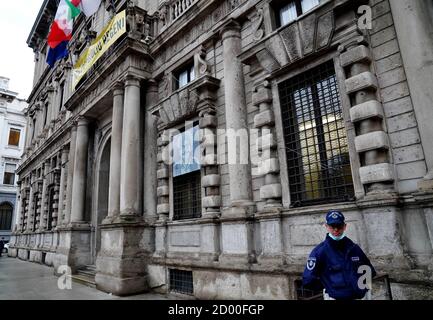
(237, 242)
(74, 247)
(120, 265)
(273, 261)
(121, 286)
(425, 185)
(36, 256)
(49, 258)
(236, 260)
(385, 237)
(23, 254)
(12, 252)
(209, 284)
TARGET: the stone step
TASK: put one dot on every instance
(90, 267)
(85, 280)
(85, 272)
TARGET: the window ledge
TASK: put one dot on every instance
(12, 147)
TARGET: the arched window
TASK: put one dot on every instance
(5, 216)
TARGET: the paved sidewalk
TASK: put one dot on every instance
(22, 280)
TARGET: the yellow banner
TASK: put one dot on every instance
(108, 36)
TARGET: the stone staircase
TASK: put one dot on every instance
(86, 276)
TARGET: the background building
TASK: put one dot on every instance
(12, 135)
(332, 113)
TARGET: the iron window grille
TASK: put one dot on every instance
(35, 210)
(181, 281)
(51, 202)
(315, 138)
(187, 196)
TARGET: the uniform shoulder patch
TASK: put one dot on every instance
(311, 263)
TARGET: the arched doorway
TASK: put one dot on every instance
(103, 175)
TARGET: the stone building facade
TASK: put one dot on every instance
(330, 111)
(12, 136)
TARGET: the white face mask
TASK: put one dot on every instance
(337, 238)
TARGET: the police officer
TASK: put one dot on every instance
(335, 264)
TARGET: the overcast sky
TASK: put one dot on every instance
(16, 58)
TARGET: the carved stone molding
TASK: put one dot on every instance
(307, 36)
(188, 101)
(203, 66)
(258, 31)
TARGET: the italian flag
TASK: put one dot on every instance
(61, 29)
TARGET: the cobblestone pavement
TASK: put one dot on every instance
(22, 280)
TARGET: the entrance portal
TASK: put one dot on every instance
(103, 175)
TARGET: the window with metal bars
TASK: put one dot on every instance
(315, 138)
(51, 200)
(187, 196)
(186, 174)
(181, 281)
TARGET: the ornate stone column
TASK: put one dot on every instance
(44, 205)
(74, 239)
(211, 179)
(236, 118)
(236, 232)
(70, 178)
(120, 269)
(62, 191)
(26, 206)
(269, 166)
(38, 213)
(29, 216)
(130, 178)
(115, 153)
(19, 211)
(372, 142)
(80, 167)
(56, 180)
(163, 207)
(150, 155)
(271, 234)
(380, 204)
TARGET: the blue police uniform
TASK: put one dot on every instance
(334, 265)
